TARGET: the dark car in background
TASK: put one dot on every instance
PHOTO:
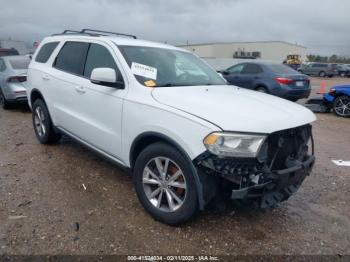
(319, 69)
(343, 70)
(275, 79)
(8, 52)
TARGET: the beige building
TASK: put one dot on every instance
(265, 50)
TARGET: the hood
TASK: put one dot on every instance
(235, 109)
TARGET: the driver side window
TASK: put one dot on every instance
(98, 56)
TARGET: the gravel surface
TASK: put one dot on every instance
(64, 199)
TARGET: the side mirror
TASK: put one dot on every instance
(106, 77)
(225, 72)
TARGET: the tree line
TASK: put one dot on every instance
(329, 59)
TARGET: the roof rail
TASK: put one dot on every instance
(99, 32)
(93, 32)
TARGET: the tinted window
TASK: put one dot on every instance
(252, 69)
(45, 52)
(99, 56)
(2, 65)
(9, 52)
(19, 64)
(72, 56)
(282, 69)
(237, 69)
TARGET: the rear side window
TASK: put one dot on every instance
(20, 64)
(282, 69)
(45, 52)
(71, 57)
(252, 69)
(98, 56)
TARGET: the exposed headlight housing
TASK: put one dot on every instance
(234, 144)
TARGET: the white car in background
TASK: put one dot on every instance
(169, 118)
(13, 77)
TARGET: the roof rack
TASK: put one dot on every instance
(93, 32)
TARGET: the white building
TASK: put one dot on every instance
(266, 50)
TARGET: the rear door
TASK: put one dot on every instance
(250, 74)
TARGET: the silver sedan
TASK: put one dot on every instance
(13, 77)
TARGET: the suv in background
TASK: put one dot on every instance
(166, 116)
(319, 69)
(275, 79)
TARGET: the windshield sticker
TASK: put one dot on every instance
(144, 70)
(150, 83)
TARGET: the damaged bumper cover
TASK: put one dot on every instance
(277, 173)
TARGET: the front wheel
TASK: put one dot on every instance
(261, 89)
(165, 184)
(42, 123)
(341, 106)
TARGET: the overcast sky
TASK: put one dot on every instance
(322, 26)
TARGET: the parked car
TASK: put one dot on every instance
(171, 120)
(319, 69)
(275, 79)
(8, 52)
(344, 70)
(338, 99)
(13, 76)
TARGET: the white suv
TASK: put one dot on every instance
(169, 118)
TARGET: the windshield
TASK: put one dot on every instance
(19, 64)
(159, 67)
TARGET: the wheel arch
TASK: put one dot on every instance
(147, 138)
(34, 95)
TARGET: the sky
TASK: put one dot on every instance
(322, 26)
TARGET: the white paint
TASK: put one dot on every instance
(341, 162)
(144, 70)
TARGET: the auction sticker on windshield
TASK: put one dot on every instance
(144, 70)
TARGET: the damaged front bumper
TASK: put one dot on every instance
(277, 173)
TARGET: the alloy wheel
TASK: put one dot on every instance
(164, 184)
(39, 121)
(342, 106)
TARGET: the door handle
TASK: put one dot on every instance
(80, 89)
(45, 77)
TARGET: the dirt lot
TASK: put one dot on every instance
(44, 208)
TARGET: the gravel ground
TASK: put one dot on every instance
(45, 209)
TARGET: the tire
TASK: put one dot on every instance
(341, 106)
(3, 102)
(261, 89)
(342, 74)
(155, 193)
(322, 74)
(42, 124)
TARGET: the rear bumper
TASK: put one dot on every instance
(289, 93)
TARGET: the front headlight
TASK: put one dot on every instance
(234, 144)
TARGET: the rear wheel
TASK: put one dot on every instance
(42, 123)
(3, 102)
(341, 106)
(261, 89)
(322, 74)
(342, 74)
(165, 185)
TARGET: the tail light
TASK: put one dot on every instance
(16, 79)
(283, 80)
(332, 90)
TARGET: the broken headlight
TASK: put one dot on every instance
(234, 144)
